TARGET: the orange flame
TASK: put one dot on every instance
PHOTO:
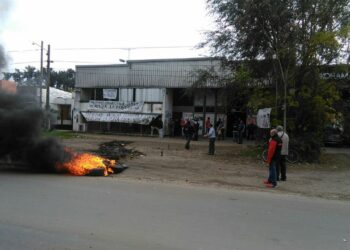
(82, 164)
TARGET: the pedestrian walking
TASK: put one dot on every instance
(188, 131)
(196, 129)
(273, 155)
(220, 129)
(207, 125)
(241, 129)
(281, 170)
(211, 136)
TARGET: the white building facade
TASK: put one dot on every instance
(124, 98)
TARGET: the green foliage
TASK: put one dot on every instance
(236, 87)
(308, 147)
(297, 36)
(63, 79)
(261, 98)
(62, 134)
(31, 76)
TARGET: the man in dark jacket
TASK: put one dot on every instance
(241, 129)
(188, 131)
(273, 157)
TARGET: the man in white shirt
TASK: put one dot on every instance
(211, 136)
(281, 166)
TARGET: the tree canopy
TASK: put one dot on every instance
(296, 37)
(31, 76)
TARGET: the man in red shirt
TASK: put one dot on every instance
(273, 157)
(207, 125)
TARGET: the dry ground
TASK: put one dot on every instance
(234, 166)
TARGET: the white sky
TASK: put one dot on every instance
(101, 24)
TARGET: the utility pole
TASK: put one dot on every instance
(41, 73)
(47, 106)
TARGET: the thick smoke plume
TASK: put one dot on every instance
(20, 134)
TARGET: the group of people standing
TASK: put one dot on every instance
(191, 129)
(276, 156)
(277, 148)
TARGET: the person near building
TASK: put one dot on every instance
(207, 125)
(281, 169)
(182, 125)
(273, 156)
(157, 124)
(196, 129)
(171, 127)
(188, 131)
(241, 129)
(220, 129)
(211, 136)
(235, 131)
(251, 131)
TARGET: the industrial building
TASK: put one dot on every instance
(125, 98)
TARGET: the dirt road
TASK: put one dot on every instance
(232, 167)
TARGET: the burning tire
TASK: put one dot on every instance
(96, 172)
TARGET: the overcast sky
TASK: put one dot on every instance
(101, 24)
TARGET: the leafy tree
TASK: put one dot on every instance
(204, 79)
(31, 76)
(63, 79)
(297, 36)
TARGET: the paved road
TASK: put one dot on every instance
(64, 212)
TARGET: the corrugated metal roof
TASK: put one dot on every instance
(162, 73)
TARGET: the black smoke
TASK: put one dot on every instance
(20, 134)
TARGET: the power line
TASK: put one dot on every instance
(23, 50)
(106, 48)
(23, 62)
(127, 48)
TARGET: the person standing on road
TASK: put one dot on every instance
(207, 125)
(220, 129)
(273, 155)
(211, 136)
(196, 129)
(281, 169)
(241, 129)
(189, 131)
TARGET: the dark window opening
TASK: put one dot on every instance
(181, 98)
(198, 109)
(97, 94)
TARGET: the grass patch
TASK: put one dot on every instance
(328, 162)
(62, 134)
(335, 161)
(253, 152)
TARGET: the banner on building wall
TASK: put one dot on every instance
(113, 106)
(110, 94)
(118, 117)
(186, 115)
(263, 118)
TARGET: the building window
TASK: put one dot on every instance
(198, 109)
(181, 98)
(97, 94)
(209, 109)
